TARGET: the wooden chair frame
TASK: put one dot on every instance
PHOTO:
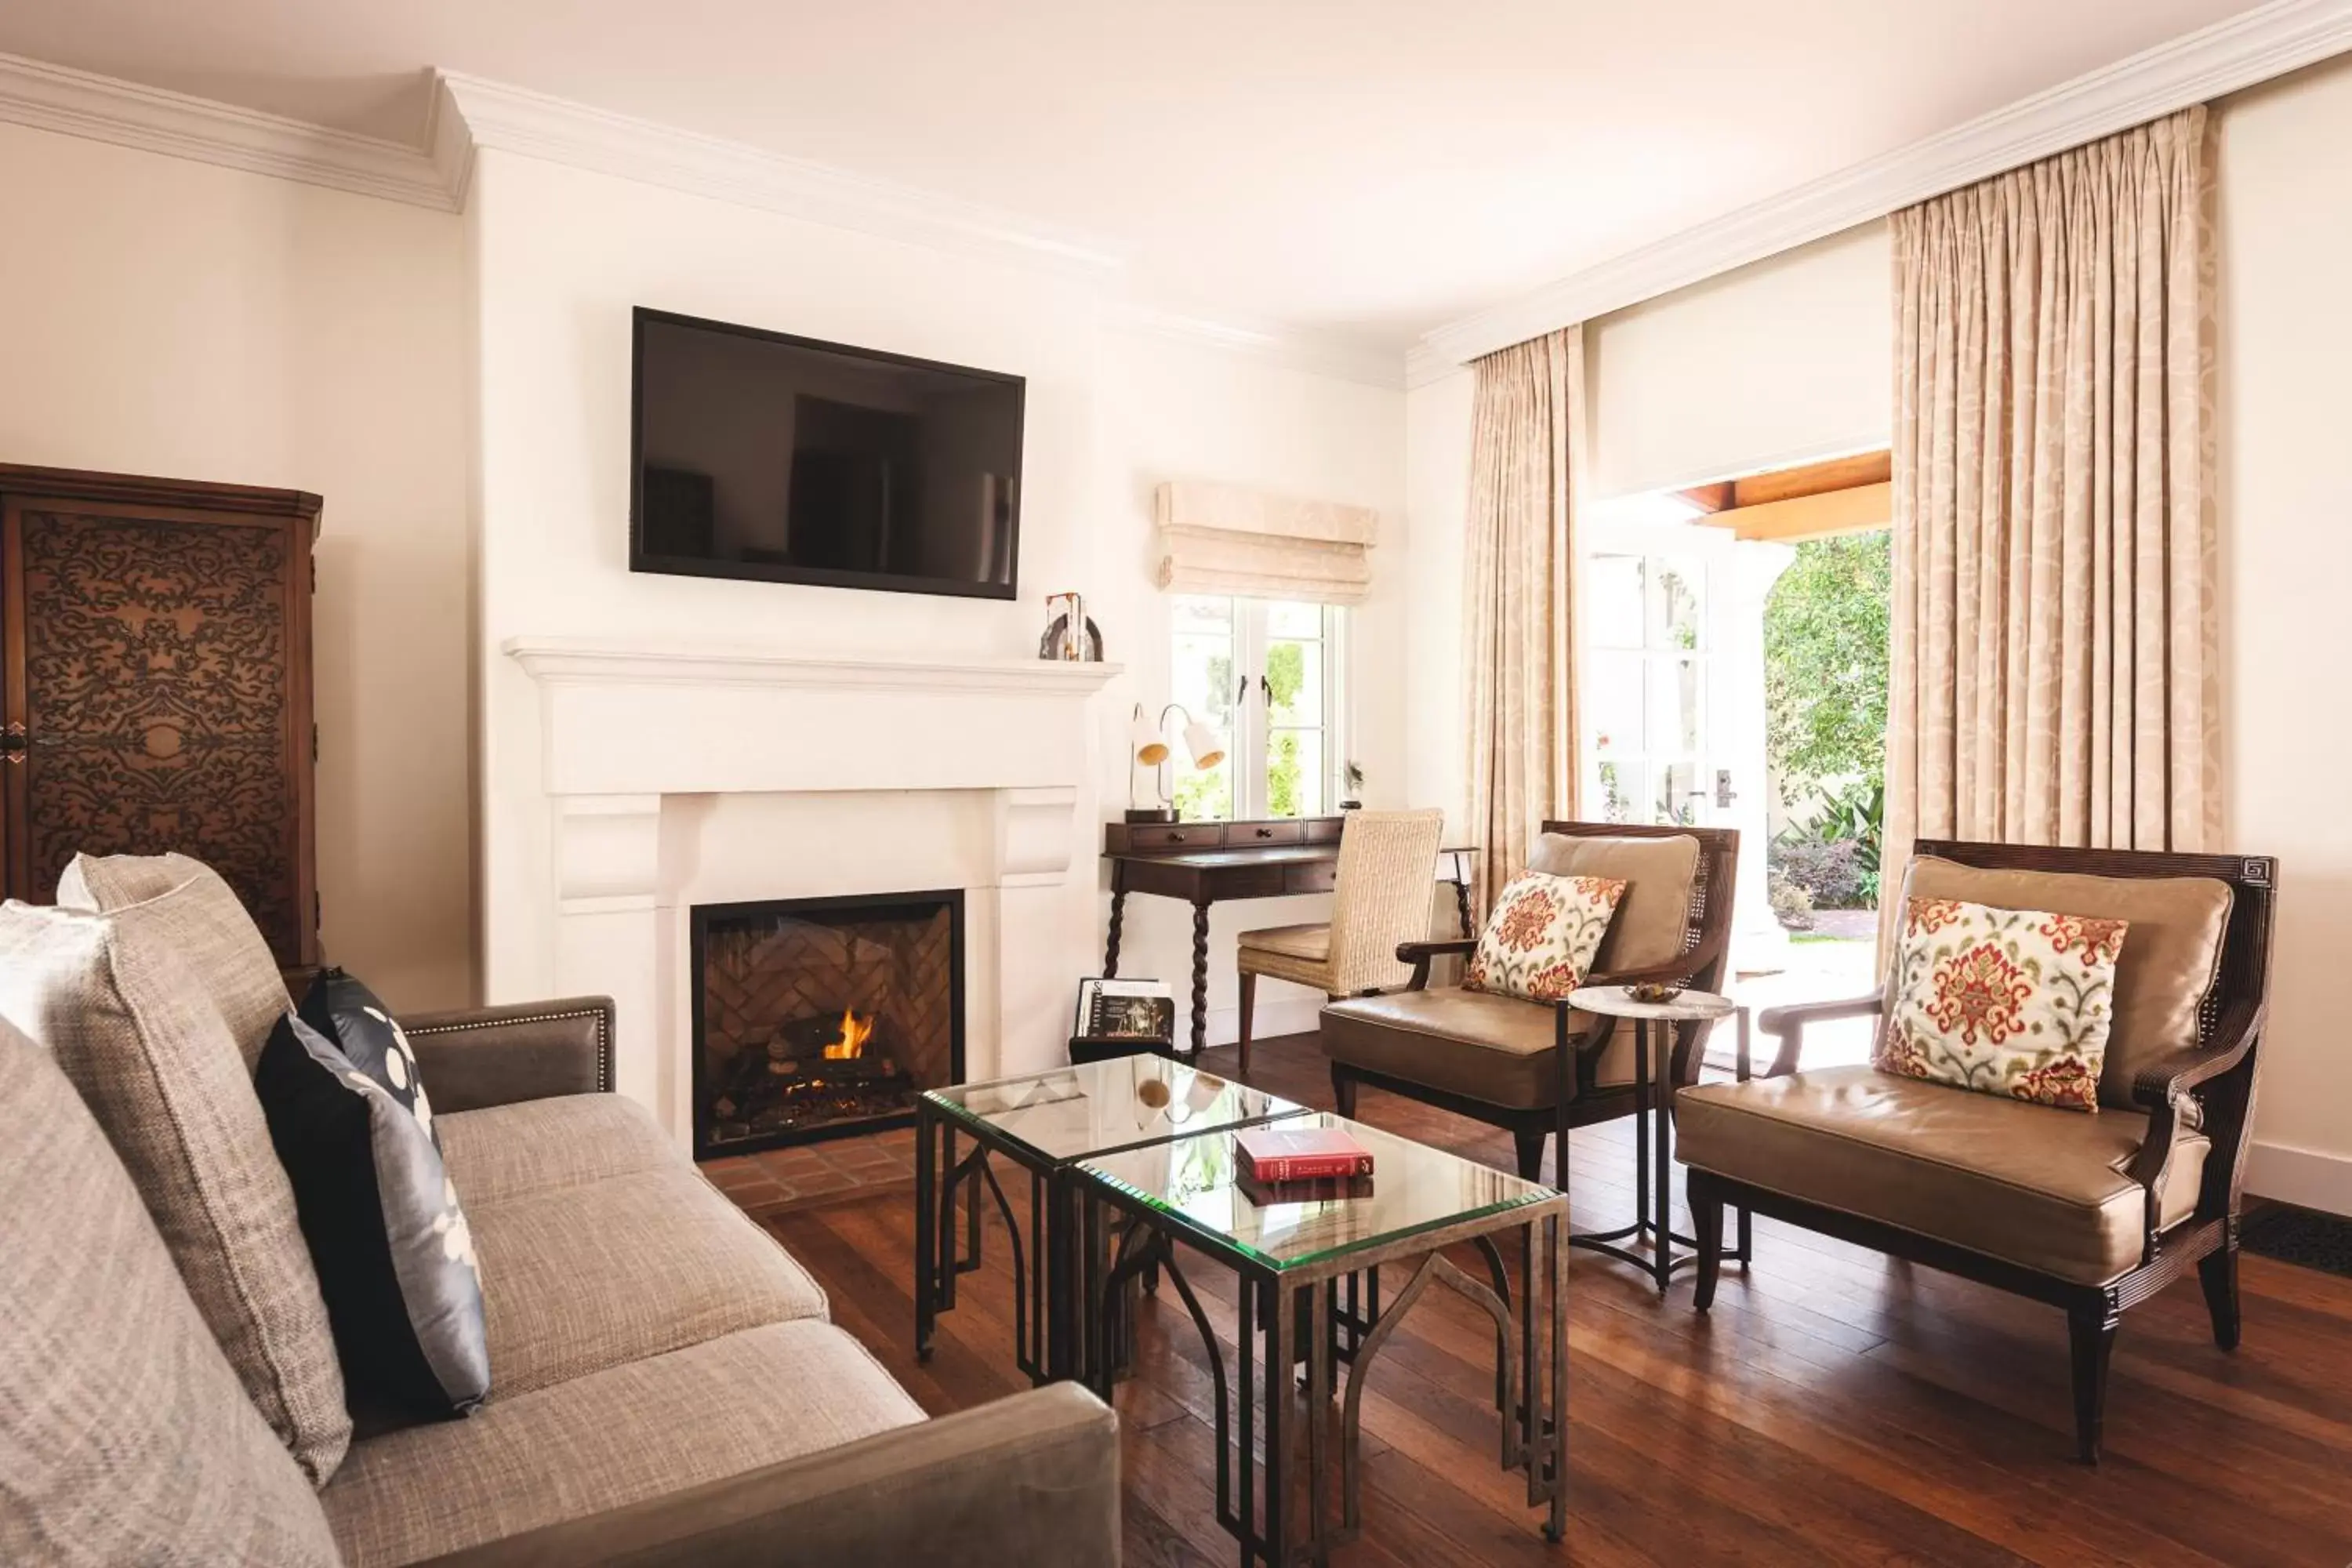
(1580, 1100)
(2218, 1073)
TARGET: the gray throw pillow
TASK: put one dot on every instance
(133, 1027)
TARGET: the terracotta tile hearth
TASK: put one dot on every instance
(778, 1181)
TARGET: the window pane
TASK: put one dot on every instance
(1612, 602)
(1676, 601)
(1675, 803)
(1618, 791)
(1289, 618)
(1294, 773)
(1612, 702)
(1294, 681)
(1202, 677)
(1675, 693)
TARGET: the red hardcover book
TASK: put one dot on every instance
(1301, 1154)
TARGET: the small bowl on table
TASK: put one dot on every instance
(1656, 992)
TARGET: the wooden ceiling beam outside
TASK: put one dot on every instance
(1857, 510)
(1710, 498)
(1813, 478)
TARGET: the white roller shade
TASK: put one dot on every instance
(1225, 539)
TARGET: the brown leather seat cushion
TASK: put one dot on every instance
(2171, 952)
(1653, 916)
(1492, 1048)
(2035, 1185)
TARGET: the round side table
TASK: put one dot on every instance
(1654, 1093)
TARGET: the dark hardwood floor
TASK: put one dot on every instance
(1834, 1408)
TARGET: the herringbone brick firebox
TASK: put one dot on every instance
(817, 1017)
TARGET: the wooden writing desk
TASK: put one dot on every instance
(1205, 862)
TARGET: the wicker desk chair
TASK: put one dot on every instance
(1379, 903)
(1540, 1069)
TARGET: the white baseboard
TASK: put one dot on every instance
(2308, 1178)
(1285, 1016)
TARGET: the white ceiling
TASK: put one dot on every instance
(1368, 167)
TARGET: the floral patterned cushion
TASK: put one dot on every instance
(2014, 1002)
(1541, 936)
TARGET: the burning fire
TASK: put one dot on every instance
(854, 1032)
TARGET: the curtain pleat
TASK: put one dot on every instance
(1518, 587)
(2055, 631)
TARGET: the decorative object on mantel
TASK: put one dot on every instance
(1227, 539)
(1152, 750)
(1065, 614)
(1353, 775)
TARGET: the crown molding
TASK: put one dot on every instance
(1331, 354)
(515, 120)
(2253, 47)
(103, 109)
(1425, 366)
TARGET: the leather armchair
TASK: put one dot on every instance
(2091, 1214)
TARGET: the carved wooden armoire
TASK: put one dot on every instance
(156, 678)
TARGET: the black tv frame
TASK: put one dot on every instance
(643, 560)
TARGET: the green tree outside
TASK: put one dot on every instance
(1826, 666)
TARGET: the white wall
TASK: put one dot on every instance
(2285, 405)
(1172, 410)
(1437, 501)
(560, 256)
(173, 317)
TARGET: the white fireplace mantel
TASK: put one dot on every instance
(644, 717)
(628, 722)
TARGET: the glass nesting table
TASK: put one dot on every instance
(1044, 1124)
(1307, 1266)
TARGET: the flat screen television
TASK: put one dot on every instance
(762, 455)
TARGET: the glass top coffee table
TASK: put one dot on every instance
(1045, 1122)
(1307, 1260)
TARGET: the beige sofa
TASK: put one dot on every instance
(666, 1385)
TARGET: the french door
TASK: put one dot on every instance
(1647, 686)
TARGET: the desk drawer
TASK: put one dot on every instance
(1322, 829)
(1243, 835)
(1181, 836)
(1315, 877)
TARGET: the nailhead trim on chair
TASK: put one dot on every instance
(603, 1034)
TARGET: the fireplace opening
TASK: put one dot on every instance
(822, 1017)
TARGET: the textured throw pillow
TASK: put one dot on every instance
(125, 1437)
(341, 1006)
(183, 903)
(396, 1258)
(133, 1027)
(1542, 935)
(2014, 1002)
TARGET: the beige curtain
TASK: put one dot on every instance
(1519, 583)
(2054, 634)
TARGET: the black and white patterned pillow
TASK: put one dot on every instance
(339, 1005)
(394, 1254)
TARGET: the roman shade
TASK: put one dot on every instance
(1227, 539)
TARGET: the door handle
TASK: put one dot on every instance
(13, 743)
(1724, 793)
